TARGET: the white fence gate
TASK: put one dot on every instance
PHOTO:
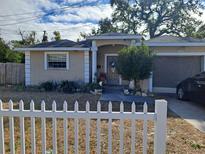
(159, 117)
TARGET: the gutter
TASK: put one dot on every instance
(52, 49)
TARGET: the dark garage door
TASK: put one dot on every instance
(170, 70)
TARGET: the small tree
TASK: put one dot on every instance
(135, 63)
(57, 35)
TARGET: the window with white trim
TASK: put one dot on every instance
(57, 61)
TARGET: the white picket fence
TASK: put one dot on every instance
(159, 117)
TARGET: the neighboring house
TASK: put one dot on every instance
(176, 59)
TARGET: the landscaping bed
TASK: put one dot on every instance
(182, 138)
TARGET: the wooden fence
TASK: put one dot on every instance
(159, 117)
(12, 73)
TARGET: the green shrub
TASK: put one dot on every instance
(68, 86)
(48, 85)
(91, 86)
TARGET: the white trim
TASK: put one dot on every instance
(105, 60)
(173, 44)
(67, 59)
(27, 68)
(113, 37)
(94, 50)
(174, 53)
(52, 49)
(86, 67)
(164, 90)
(151, 82)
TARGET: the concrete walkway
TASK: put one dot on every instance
(193, 114)
(116, 94)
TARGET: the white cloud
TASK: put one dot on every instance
(68, 30)
(82, 14)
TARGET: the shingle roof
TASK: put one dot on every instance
(60, 43)
(114, 35)
(63, 43)
(117, 34)
(174, 39)
(84, 44)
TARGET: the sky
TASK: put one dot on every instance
(70, 17)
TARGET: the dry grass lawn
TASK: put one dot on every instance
(182, 138)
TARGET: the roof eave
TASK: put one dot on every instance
(53, 49)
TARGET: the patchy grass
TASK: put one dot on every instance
(182, 138)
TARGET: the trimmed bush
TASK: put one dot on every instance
(48, 86)
(68, 86)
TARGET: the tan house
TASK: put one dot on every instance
(176, 59)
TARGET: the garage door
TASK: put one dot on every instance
(170, 70)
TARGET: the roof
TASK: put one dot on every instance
(114, 35)
(61, 45)
(169, 40)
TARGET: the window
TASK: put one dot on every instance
(56, 60)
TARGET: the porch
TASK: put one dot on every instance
(103, 58)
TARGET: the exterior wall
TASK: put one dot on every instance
(74, 73)
(108, 49)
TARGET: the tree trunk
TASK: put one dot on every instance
(137, 86)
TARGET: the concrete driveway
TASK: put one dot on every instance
(192, 112)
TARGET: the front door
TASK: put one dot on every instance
(112, 75)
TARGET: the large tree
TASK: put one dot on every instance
(104, 26)
(195, 32)
(156, 17)
(8, 55)
(27, 38)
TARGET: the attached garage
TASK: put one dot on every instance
(168, 71)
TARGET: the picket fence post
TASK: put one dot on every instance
(160, 127)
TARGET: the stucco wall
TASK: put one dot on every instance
(108, 49)
(74, 73)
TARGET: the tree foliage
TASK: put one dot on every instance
(195, 32)
(104, 26)
(57, 35)
(8, 55)
(135, 63)
(27, 38)
(158, 17)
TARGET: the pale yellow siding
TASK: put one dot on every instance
(74, 73)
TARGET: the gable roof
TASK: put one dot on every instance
(169, 40)
(61, 45)
(114, 35)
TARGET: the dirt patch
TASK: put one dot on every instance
(182, 138)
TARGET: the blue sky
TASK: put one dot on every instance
(70, 17)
